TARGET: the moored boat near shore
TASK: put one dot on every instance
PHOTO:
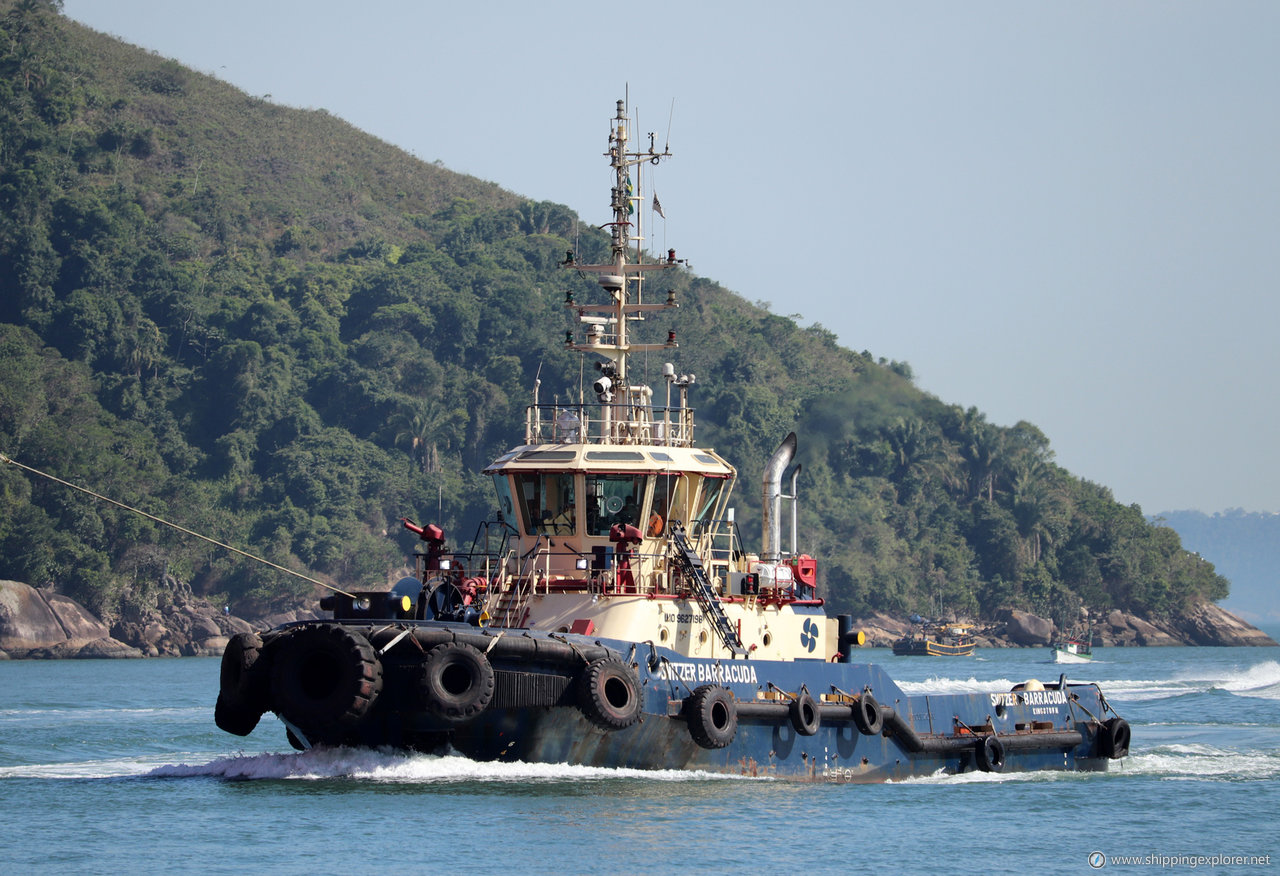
(937, 640)
(611, 613)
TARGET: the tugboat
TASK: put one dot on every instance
(611, 613)
(936, 639)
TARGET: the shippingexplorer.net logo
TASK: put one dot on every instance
(1098, 860)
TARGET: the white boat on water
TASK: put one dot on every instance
(1073, 649)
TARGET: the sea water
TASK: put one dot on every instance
(117, 767)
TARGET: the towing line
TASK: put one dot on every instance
(182, 529)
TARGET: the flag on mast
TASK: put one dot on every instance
(657, 206)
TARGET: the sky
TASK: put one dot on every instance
(1065, 213)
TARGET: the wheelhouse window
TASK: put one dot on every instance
(709, 498)
(545, 502)
(666, 487)
(506, 505)
(613, 498)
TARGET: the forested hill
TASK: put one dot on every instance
(285, 333)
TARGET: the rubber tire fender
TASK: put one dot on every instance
(324, 679)
(990, 754)
(712, 713)
(868, 716)
(233, 716)
(457, 681)
(244, 685)
(1113, 738)
(245, 673)
(805, 716)
(609, 694)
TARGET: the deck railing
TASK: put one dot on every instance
(609, 424)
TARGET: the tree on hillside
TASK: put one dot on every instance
(290, 334)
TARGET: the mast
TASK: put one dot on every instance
(608, 333)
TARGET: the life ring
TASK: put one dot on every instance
(805, 716)
(609, 694)
(1113, 738)
(990, 753)
(712, 714)
(868, 715)
(457, 681)
(324, 679)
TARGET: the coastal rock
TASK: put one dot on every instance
(204, 627)
(1210, 624)
(1149, 634)
(882, 630)
(1025, 628)
(39, 624)
(107, 647)
(36, 620)
(213, 646)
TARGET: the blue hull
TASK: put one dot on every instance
(807, 720)
(773, 746)
(536, 697)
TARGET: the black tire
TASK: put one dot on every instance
(609, 694)
(712, 714)
(990, 754)
(868, 716)
(324, 679)
(805, 716)
(457, 681)
(245, 677)
(233, 716)
(1113, 738)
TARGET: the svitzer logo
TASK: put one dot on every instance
(809, 635)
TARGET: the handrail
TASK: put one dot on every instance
(668, 426)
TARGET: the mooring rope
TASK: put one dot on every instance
(182, 529)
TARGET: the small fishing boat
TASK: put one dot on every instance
(1074, 648)
(936, 640)
(612, 614)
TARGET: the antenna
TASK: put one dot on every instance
(667, 147)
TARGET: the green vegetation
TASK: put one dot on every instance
(282, 332)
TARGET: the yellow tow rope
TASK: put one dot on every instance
(182, 529)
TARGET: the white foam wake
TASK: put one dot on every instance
(1199, 761)
(342, 763)
(389, 766)
(939, 685)
(1260, 680)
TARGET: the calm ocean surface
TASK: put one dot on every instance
(116, 766)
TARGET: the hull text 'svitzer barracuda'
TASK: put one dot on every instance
(611, 615)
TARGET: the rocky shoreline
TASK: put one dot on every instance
(1206, 624)
(41, 624)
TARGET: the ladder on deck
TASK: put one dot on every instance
(691, 564)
